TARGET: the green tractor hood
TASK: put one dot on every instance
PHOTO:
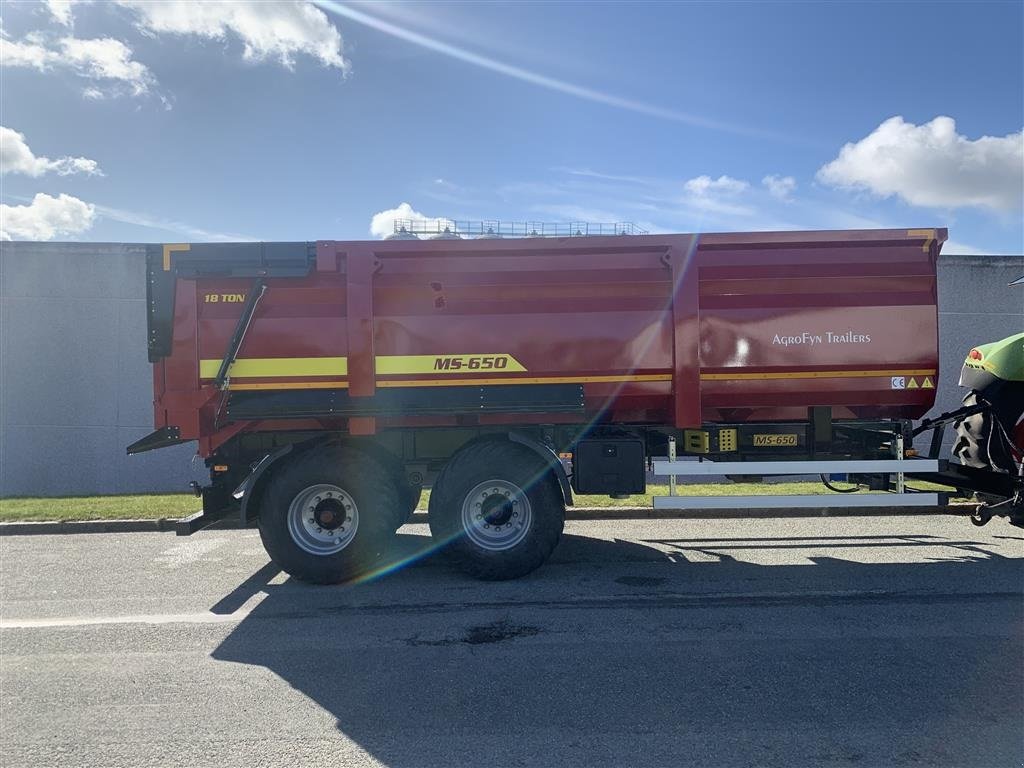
(1003, 359)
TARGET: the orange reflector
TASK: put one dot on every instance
(220, 467)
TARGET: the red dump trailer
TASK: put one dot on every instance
(327, 382)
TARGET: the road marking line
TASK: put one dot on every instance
(188, 552)
(155, 618)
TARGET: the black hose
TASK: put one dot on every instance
(827, 484)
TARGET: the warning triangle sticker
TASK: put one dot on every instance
(912, 384)
(927, 383)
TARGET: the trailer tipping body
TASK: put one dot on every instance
(658, 329)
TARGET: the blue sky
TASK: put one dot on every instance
(174, 120)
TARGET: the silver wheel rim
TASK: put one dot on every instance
(496, 515)
(323, 519)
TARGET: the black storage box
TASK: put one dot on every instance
(611, 466)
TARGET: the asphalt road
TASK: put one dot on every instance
(867, 642)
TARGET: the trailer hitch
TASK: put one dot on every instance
(980, 518)
(945, 418)
(1015, 513)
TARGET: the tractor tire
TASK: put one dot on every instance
(327, 516)
(979, 441)
(496, 510)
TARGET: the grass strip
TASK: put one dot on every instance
(174, 505)
(152, 506)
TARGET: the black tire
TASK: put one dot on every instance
(409, 493)
(362, 480)
(530, 539)
(979, 443)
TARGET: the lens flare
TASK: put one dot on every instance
(394, 564)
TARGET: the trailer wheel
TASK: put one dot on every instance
(409, 492)
(327, 517)
(496, 510)
(411, 495)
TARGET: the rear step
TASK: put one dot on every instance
(186, 526)
(216, 506)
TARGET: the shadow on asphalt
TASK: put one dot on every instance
(718, 662)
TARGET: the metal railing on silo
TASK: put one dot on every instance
(406, 229)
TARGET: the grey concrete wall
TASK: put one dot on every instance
(975, 307)
(75, 385)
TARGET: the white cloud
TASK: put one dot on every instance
(277, 30)
(45, 218)
(931, 165)
(30, 52)
(716, 196)
(61, 11)
(169, 225)
(101, 59)
(383, 224)
(17, 157)
(107, 59)
(952, 247)
(725, 185)
(780, 187)
(609, 177)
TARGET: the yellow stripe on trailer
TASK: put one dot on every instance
(812, 375)
(927, 234)
(445, 365)
(277, 367)
(386, 383)
(264, 385)
(480, 382)
(170, 248)
(494, 362)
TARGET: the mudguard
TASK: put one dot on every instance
(250, 487)
(550, 459)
